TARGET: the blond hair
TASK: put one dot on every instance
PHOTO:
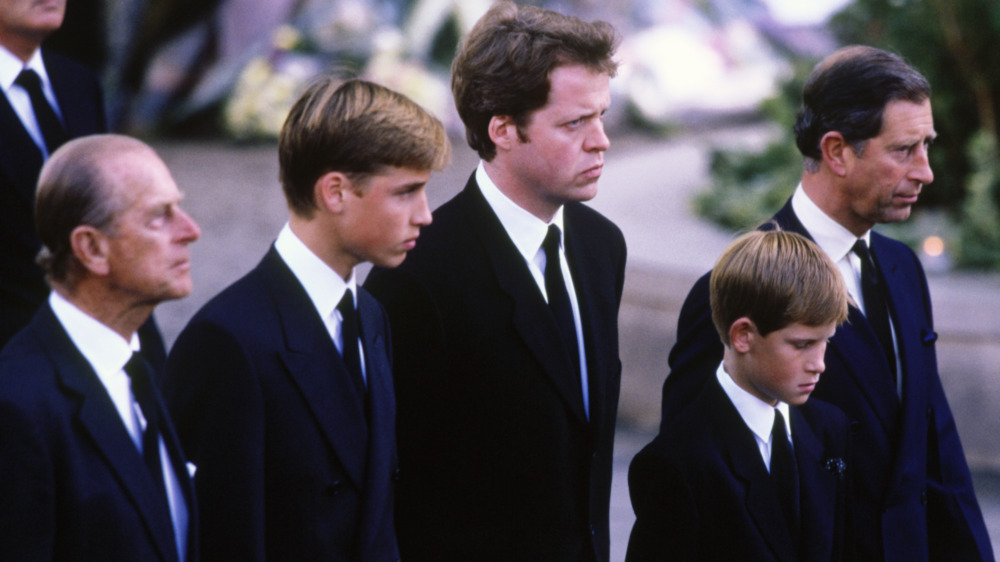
(775, 278)
(357, 128)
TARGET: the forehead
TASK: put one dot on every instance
(576, 86)
(391, 177)
(905, 119)
(798, 330)
(140, 179)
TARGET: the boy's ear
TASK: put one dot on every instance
(90, 246)
(330, 189)
(503, 131)
(836, 152)
(741, 334)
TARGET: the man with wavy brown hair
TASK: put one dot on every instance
(505, 317)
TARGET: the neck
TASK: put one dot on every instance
(21, 47)
(830, 197)
(314, 232)
(100, 304)
(522, 195)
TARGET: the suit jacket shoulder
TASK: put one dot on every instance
(267, 411)
(62, 442)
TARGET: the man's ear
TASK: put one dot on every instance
(503, 131)
(836, 152)
(91, 248)
(330, 190)
(741, 334)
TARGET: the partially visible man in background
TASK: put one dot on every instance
(47, 99)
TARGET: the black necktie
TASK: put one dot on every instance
(872, 290)
(785, 473)
(52, 129)
(555, 287)
(140, 373)
(349, 333)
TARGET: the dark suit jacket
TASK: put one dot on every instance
(700, 490)
(73, 486)
(912, 493)
(22, 285)
(288, 467)
(498, 460)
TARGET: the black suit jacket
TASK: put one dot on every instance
(912, 493)
(22, 285)
(498, 460)
(73, 485)
(288, 466)
(700, 490)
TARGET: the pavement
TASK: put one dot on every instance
(232, 190)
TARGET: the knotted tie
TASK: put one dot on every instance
(140, 374)
(555, 287)
(349, 333)
(785, 473)
(876, 310)
(52, 129)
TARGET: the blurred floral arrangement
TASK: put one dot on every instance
(348, 38)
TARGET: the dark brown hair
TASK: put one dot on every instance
(503, 65)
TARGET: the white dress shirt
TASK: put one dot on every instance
(757, 414)
(107, 352)
(527, 232)
(323, 285)
(10, 68)
(837, 242)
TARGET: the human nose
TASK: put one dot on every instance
(921, 171)
(188, 230)
(817, 362)
(422, 214)
(598, 140)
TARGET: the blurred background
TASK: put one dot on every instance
(701, 143)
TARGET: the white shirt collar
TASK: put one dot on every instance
(323, 285)
(835, 240)
(11, 66)
(525, 229)
(757, 414)
(106, 350)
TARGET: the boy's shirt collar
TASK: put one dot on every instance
(757, 414)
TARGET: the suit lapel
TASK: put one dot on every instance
(531, 316)
(77, 113)
(817, 489)
(381, 419)
(315, 366)
(747, 464)
(20, 157)
(100, 420)
(594, 299)
(857, 347)
(907, 325)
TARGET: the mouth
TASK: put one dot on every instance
(410, 243)
(593, 172)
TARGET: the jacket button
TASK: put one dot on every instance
(334, 489)
(395, 475)
(923, 498)
(930, 411)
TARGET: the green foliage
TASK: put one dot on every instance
(979, 241)
(748, 188)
